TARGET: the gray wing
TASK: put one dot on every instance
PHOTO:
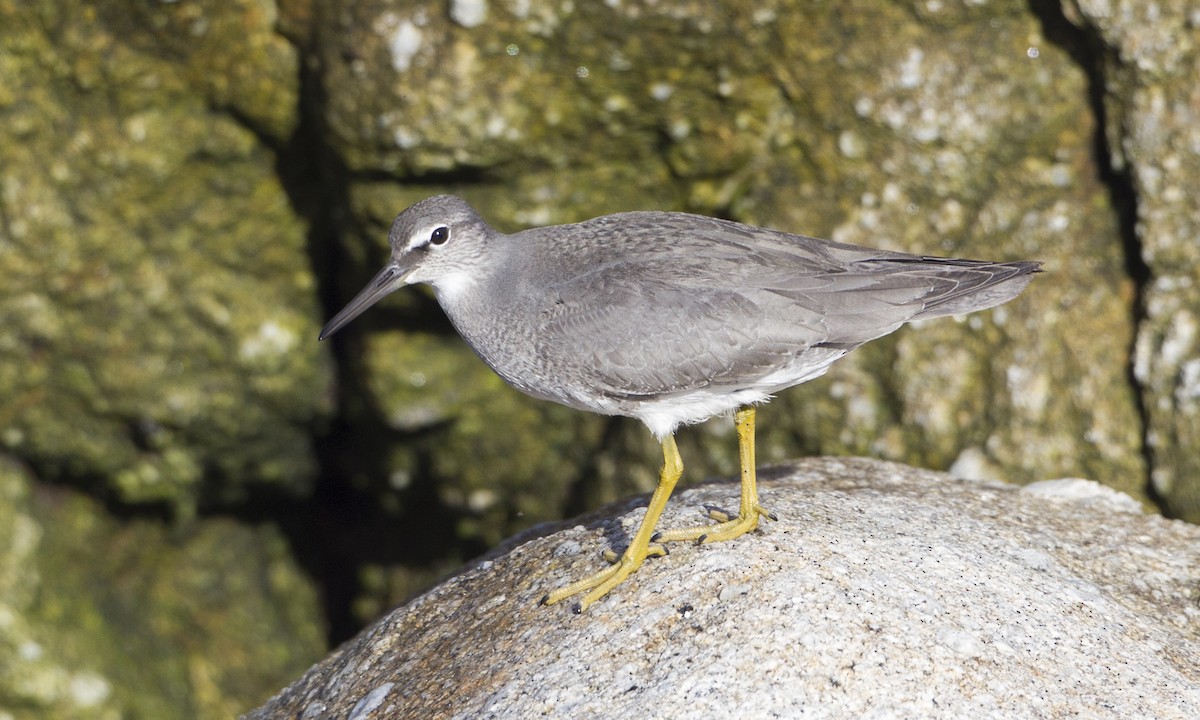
(655, 339)
(687, 302)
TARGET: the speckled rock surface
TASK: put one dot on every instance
(881, 591)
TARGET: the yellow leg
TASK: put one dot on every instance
(747, 518)
(639, 548)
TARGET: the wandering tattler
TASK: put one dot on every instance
(669, 318)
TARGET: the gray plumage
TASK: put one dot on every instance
(667, 317)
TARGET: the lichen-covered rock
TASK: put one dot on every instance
(105, 619)
(158, 307)
(1151, 58)
(229, 52)
(881, 590)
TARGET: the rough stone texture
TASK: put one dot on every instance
(108, 619)
(1151, 54)
(882, 591)
(158, 306)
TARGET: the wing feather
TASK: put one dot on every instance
(670, 303)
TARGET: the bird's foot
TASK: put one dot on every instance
(599, 584)
(640, 547)
(727, 528)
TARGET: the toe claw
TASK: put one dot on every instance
(717, 514)
(657, 550)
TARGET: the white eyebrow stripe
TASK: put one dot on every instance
(421, 237)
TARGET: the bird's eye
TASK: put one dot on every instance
(440, 235)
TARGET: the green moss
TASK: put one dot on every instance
(159, 310)
(108, 619)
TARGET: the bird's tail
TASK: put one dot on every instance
(977, 285)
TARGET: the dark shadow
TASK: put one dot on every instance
(343, 525)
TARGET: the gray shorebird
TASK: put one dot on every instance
(669, 318)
